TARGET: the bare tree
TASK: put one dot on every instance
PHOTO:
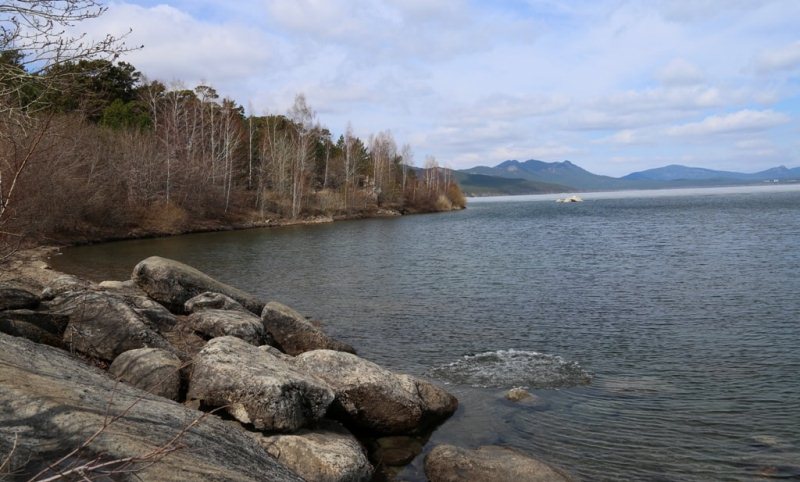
(303, 118)
(34, 42)
(407, 160)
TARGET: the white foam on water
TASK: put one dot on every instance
(513, 368)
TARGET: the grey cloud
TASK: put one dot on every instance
(741, 121)
(780, 59)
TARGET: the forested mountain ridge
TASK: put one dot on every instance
(534, 177)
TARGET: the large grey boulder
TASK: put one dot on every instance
(374, 398)
(212, 301)
(151, 369)
(241, 324)
(294, 334)
(160, 318)
(172, 284)
(51, 403)
(256, 387)
(12, 298)
(328, 453)
(447, 463)
(103, 325)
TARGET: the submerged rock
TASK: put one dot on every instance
(374, 398)
(256, 387)
(396, 450)
(328, 453)
(172, 284)
(216, 323)
(153, 370)
(51, 403)
(294, 334)
(447, 463)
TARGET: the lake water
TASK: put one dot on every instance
(659, 330)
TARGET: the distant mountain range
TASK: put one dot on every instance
(536, 177)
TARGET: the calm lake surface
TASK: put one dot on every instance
(681, 309)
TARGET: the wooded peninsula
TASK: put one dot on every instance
(91, 150)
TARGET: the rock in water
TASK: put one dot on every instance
(172, 284)
(518, 394)
(256, 387)
(103, 325)
(14, 298)
(328, 453)
(396, 450)
(446, 463)
(294, 334)
(51, 403)
(241, 324)
(377, 399)
(153, 370)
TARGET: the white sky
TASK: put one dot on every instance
(615, 86)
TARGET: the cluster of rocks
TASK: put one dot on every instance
(173, 375)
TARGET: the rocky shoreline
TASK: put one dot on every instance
(172, 375)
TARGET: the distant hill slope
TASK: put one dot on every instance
(481, 185)
(562, 173)
(677, 172)
(533, 177)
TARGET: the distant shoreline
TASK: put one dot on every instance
(634, 193)
(213, 227)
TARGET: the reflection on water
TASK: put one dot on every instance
(684, 309)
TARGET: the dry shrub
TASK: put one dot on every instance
(164, 218)
(443, 203)
(329, 201)
(456, 196)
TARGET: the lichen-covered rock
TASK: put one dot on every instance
(447, 463)
(103, 325)
(328, 453)
(172, 284)
(294, 334)
(160, 318)
(12, 298)
(374, 398)
(151, 369)
(52, 402)
(257, 388)
(212, 301)
(241, 324)
(64, 283)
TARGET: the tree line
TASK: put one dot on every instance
(90, 148)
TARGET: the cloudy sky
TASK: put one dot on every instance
(612, 85)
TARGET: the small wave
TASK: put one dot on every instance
(513, 368)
